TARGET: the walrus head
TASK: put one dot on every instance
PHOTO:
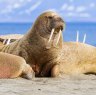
(50, 26)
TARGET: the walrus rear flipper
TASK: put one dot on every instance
(28, 72)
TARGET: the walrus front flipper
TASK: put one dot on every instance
(28, 73)
(50, 70)
(55, 71)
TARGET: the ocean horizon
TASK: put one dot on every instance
(69, 34)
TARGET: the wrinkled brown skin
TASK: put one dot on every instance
(67, 58)
(75, 59)
(32, 47)
(12, 66)
(1, 41)
(1, 44)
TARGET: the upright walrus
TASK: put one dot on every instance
(12, 66)
(43, 48)
(34, 46)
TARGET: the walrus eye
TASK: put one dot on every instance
(50, 17)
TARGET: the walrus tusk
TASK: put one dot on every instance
(8, 42)
(49, 44)
(58, 37)
(4, 42)
(51, 35)
(84, 39)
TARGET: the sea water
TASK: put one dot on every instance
(69, 34)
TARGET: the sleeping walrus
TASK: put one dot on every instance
(6, 41)
(43, 48)
(12, 66)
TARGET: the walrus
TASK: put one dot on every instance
(34, 46)
(1, 44)
(12, 66)
(1, 41)
(6, 41)
(43, 48)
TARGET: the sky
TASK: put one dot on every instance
(29, 10)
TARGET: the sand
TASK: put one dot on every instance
(85, 85)
(66, 85)
(12, 36)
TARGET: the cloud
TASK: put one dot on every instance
(16, 5)
(33, 7)
(71, 8)
(71, 0)
(64, 7)
(71, 14)
(92, 5)
(67, 7)
(80, 9)
(5, 11)
(76, 11)
(55, 10)
(9, 6)
(74, 14)
(85, 15)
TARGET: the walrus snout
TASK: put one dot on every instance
(53, 41)
(58, 22)
(57, 25)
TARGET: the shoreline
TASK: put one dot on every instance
(11, 36)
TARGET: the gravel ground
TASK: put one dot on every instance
(68, 85)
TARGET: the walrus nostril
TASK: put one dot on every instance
(61, 27)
